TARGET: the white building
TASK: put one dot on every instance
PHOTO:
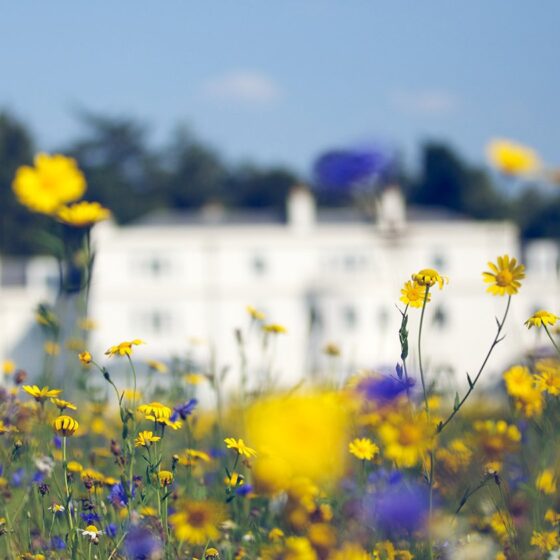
(326, 275)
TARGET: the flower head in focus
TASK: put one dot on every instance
(511, 158)
(92, 533)
(541, 319)
(240, 447)
(504, 276)
(412, 294)
(41, 395)
(65, 426)
(145, 439)
(428, 277)
(123, 348)
(363, 448)
(52, 182)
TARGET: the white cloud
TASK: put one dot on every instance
(245, 86)
(426, 103)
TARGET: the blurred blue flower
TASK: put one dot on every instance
(17, 477)
(398, 506)
(117, 495)
(383, 389)
(57, 442)
(57, 543)
(345, 169)
(244, 489)
(90, 518)
(111, 530)
(141, 544)
(183, 410)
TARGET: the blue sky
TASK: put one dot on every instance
(277, 82)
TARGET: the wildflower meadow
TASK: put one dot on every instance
(112, 456)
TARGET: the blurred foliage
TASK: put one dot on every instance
(132, 177)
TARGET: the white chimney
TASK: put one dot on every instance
(391, 210)
(301, 209)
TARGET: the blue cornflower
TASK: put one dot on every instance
(244, 489)
(57, 543)
(383, 389)
(118, 496)
(141, 544)
(17, 477)
(90, 518)
(183, 410)
(111, 530)
(57, 440)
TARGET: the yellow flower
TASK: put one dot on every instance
(553, 517)
(165, 478)
(413, 294)
(123, 348)
(193, 456)
(294, 548)
(505, 276)
(145, 439)
(41, 395)
(407, 437)
(363, 448)
(429, 277)
(82, 214)
(92, 533)
(548, 378)
(51, 348)
(54, 181)
(546, 482)
(74, 466)
(512, 158)
(8, 367)
(255, 313)
(332, 349)
(85, 358)
(541, 318)
(87, 324)
(155, 411)
(240, 447)
(455, 457)
(193, 378)
(350, 551)
(545, 540)
(298, 436)
(197, 522)
(65, 425)
(275, 534)
(154, 365)
(274, 328)
(61, 404)
(211, 554)
(519, 382)
(497, 437)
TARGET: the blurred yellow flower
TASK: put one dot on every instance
(298, 435)
(85, 357)
(65, 426)
(155, 410)
(61, 404)
(293, 548)
(548, 377)
(123, 348)
(512, 158)
(193, 378)
(332, 349)
(255, 313)
(240, 447)
(413, 294)
(51, 348)
(363, 448)
(53, 181)
(82, 214)
(350, 551)
(74, 466)
(87, 324)
(274, 328)
(505, 276)
(155, 365)
(541, 318)
(546, 482)
(553, 517)
(546, 541)
(519, 381)
(8, 367)
(197, 522)
(165, 477)
(407, 437)
(497, 437)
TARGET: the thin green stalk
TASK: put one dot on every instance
(551, 339)
(65, 469)
(420, 365)
(472, 383)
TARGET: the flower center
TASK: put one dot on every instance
(504, 278)
(410, 435)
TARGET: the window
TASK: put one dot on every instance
(154, 321)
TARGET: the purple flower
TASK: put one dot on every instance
(90, 518)
(57, 442)
(398, 506)
(183, 410)
(17, 477)
(343, 169)
(118, 496)
(57, 543)
(383, 389)
(141, 544)
(244, 489)
(111, 530)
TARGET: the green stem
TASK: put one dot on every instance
(473, 383)
(420, 365)
(65, 469)
(551, 339)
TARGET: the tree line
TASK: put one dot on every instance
(129, 175)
